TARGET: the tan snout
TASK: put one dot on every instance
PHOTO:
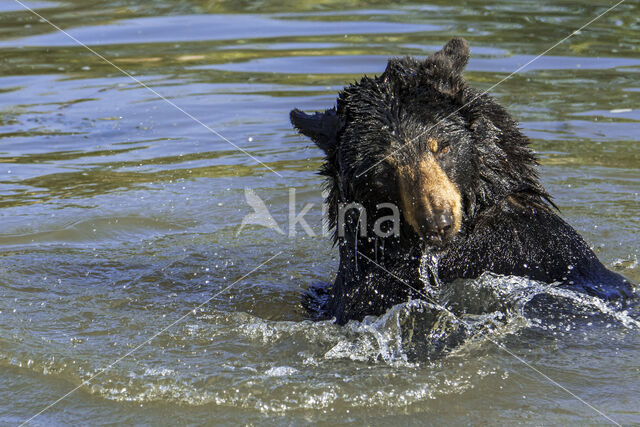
(431, 202)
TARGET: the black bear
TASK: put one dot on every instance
(461, 176)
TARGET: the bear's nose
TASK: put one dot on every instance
(443, 222)
(436, 226)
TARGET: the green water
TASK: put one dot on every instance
(120, 214)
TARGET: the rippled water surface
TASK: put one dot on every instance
(120, 215)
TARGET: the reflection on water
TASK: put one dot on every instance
(120, 214)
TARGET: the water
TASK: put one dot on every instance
(120, 215)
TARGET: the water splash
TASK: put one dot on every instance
(446, 319)
(429, 275)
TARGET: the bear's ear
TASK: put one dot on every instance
(485, 128)
(456, 52)
(322, 128)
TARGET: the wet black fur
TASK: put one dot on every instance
(510, 226)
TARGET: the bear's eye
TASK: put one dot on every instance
(383, 178)
(444, 150)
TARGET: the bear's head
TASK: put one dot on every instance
(420, 138)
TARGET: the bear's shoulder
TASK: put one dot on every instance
(527, 238)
